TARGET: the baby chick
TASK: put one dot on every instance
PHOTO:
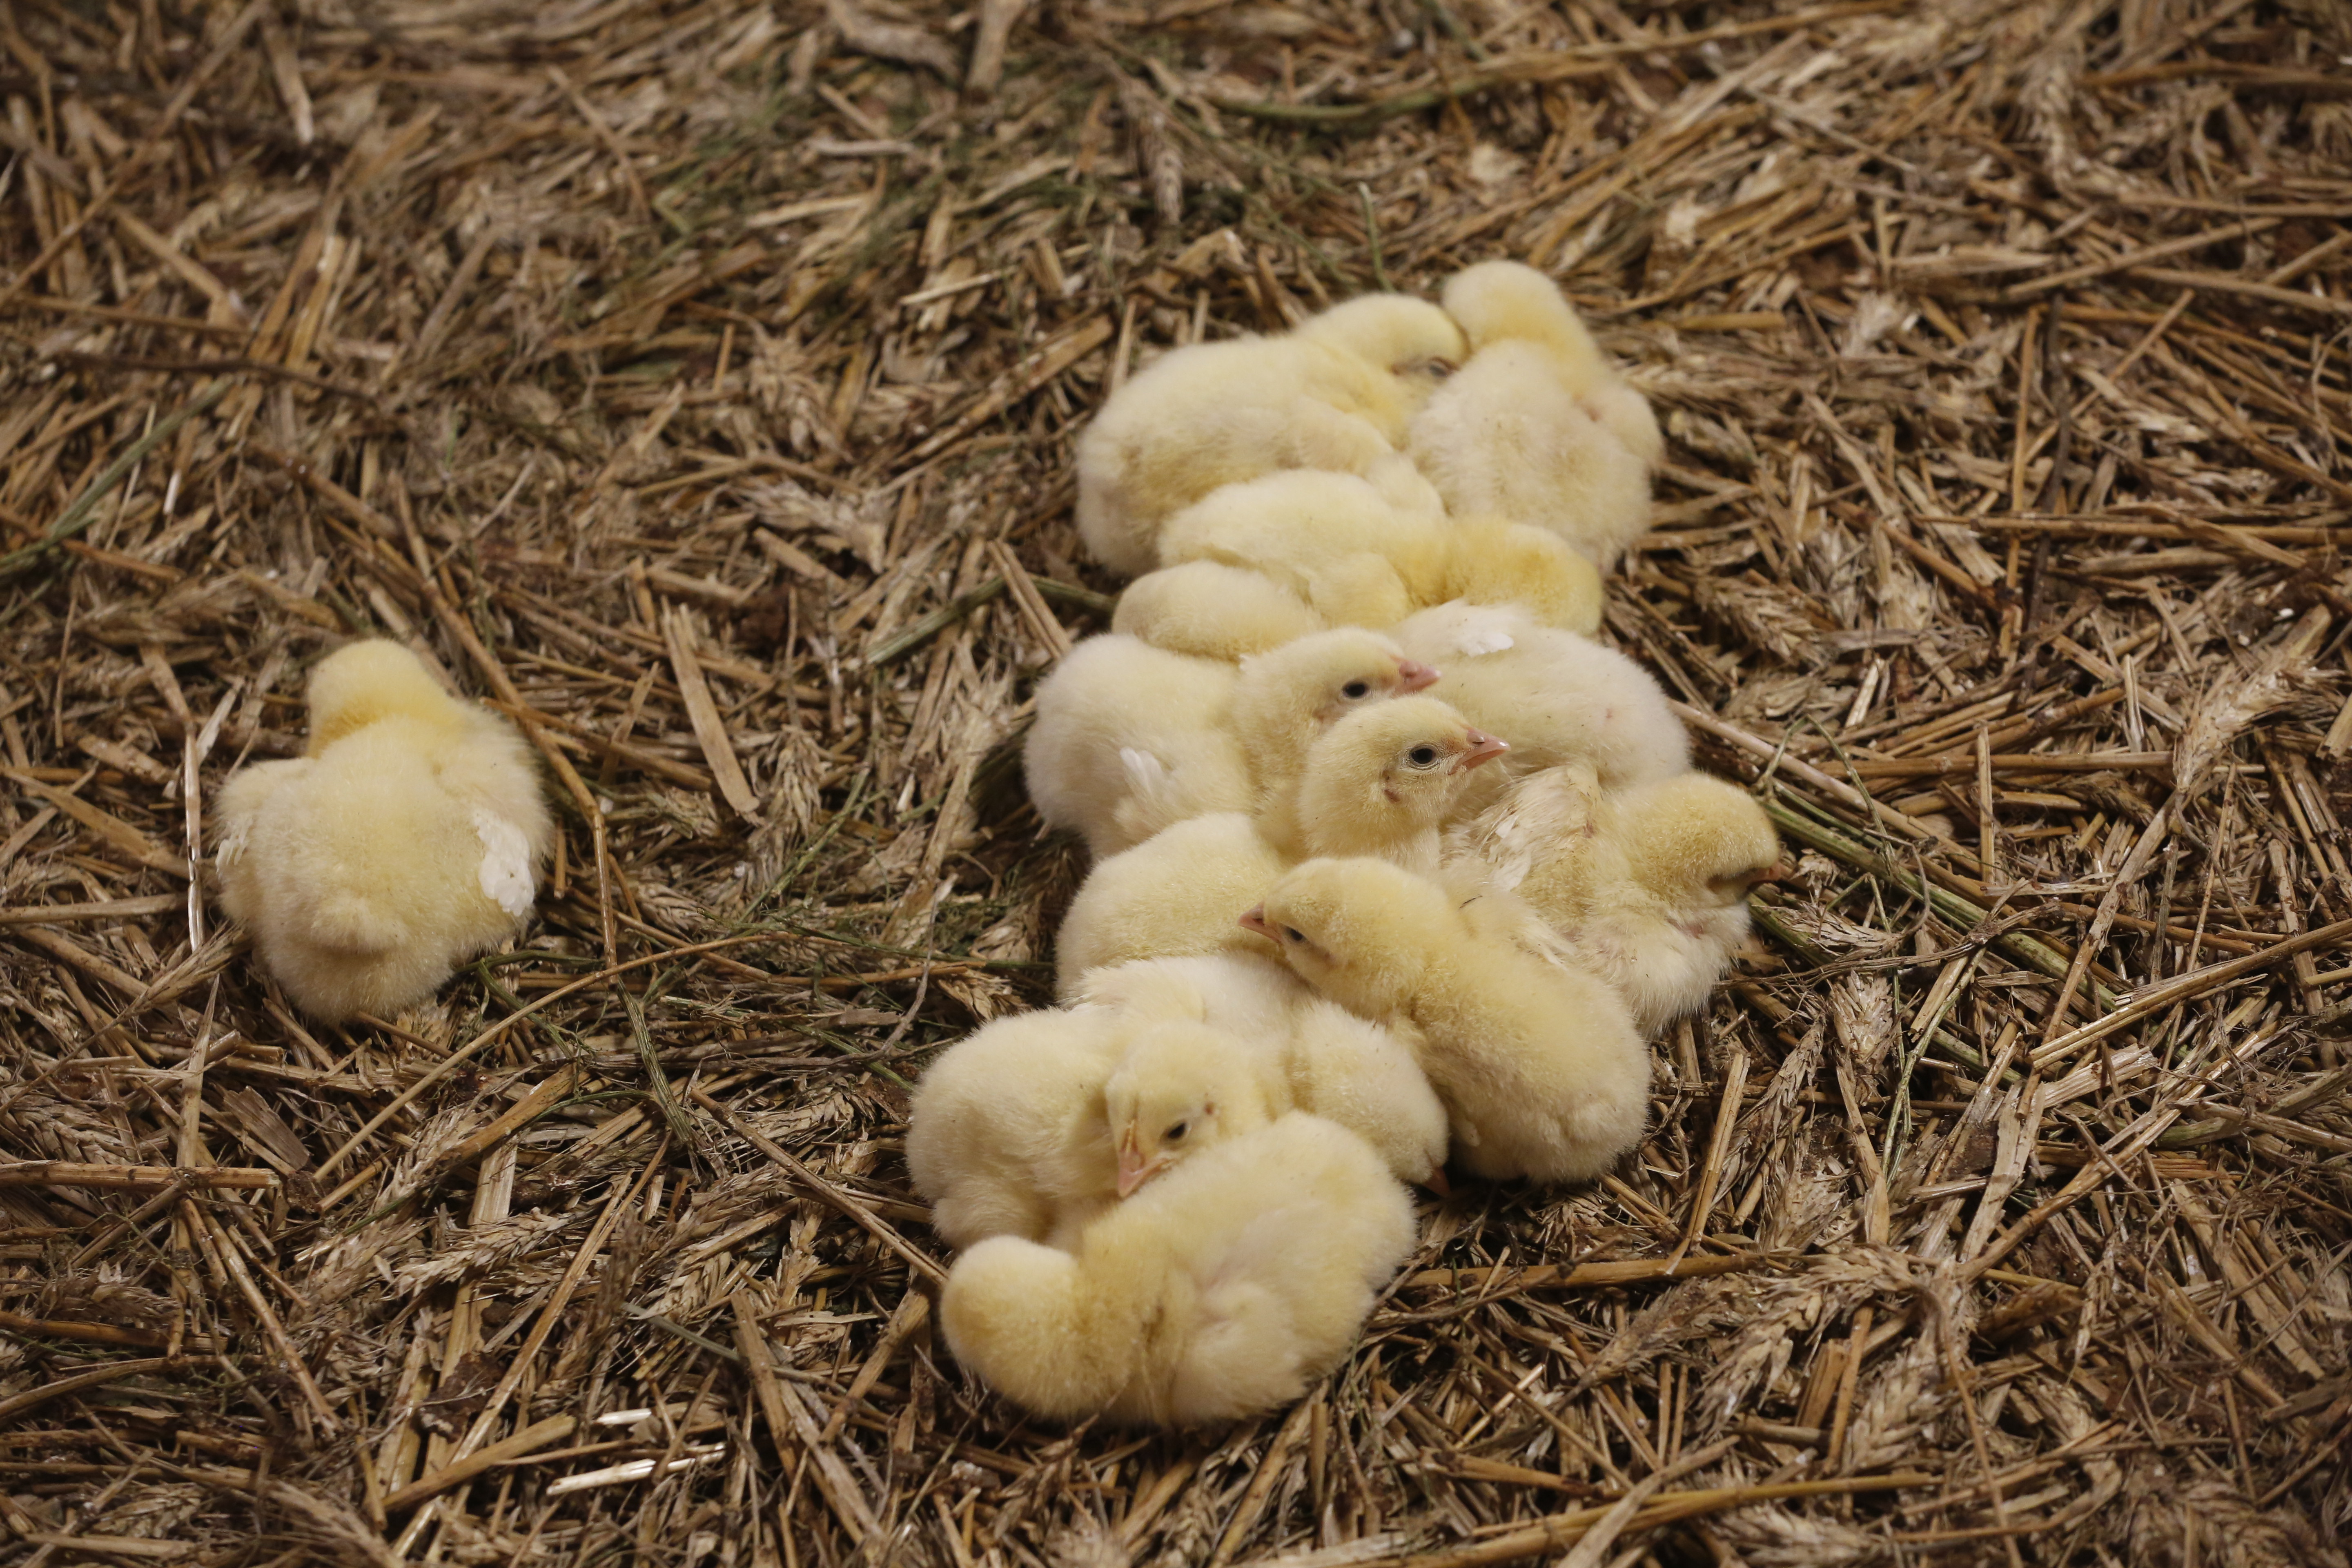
(1561, 697)
(1216, 1292)
(1131, 739)
(1537, 426)
(1181, 1086)
(1007, 1135)
(1302, 1051)
(1335, 393)
(1539, 1065)
(1646, 886)
(405, 840)
(1380, 781)
(1333, 551)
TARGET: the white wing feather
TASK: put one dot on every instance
(506, 874)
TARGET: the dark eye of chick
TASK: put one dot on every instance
(1422, 756)
(1176, 1134)
(1293, 933)
(1355, 689)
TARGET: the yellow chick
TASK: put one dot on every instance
(1561, 697)
(1334, 550)
(405, 840)
(1181, 1087)
(1646, 886)
(1380, 781)
(1335, 393)
(1538, 426)
(1210, 610)
(1216, 1292)
(1539, 1066)
(1131, 739)
(1007, 1135)
(1301, 1051)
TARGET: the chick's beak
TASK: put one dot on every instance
(1778, 871)
(1413, 676)
(1134, 1170)
(1484, 748)
(1254, 920)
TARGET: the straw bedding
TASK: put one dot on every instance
(696, 382)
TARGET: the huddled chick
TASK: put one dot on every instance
(1335, 393)
(1561, 697)
(1131, 738)
(1253, 565)
(1539, 1065)
(1647, 886)
(1215, 1292)
(406, 839)
(1380, 781)
(1008, 1135)
(1538, 426)
(1303, 1051)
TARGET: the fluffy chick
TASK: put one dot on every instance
(1131, 739)
(1181, 1086)
(1380, 781)
(1215, 1292)
(1646, 886)
(1007, 1135)
(1303, 1051)
(1539, 1066)
(1538, 426)
(405, 840)
(1251, 566)
(1335, 393)
(1560, 697)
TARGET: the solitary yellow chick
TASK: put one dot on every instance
(1335, 393)
(1646, 886)
(406, 840)
(1539, 1066)
(1131, 739)
(1538, 426)
(1215, 1292)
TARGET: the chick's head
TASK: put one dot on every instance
(362, 682)
(1289, 695)
(1409, 337)
(1181, 1087)
(1359, 931)
(1696, 840)
(1498, 301)
(1390, 770)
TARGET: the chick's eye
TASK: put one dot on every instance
(1176, 1134)
(1355, 689)
(1293, 934)
(1422, 756)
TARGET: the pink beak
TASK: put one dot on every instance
(1133, 1169)
(1436, 1182)
(1254, 920)
(1484, 748)
(1413, 676)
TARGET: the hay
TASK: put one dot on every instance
(697, 383)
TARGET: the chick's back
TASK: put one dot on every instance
(368, 871)
(1007, 1135)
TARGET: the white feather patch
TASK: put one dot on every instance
(1146, 774)
(507, 879)
(1483, 638)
